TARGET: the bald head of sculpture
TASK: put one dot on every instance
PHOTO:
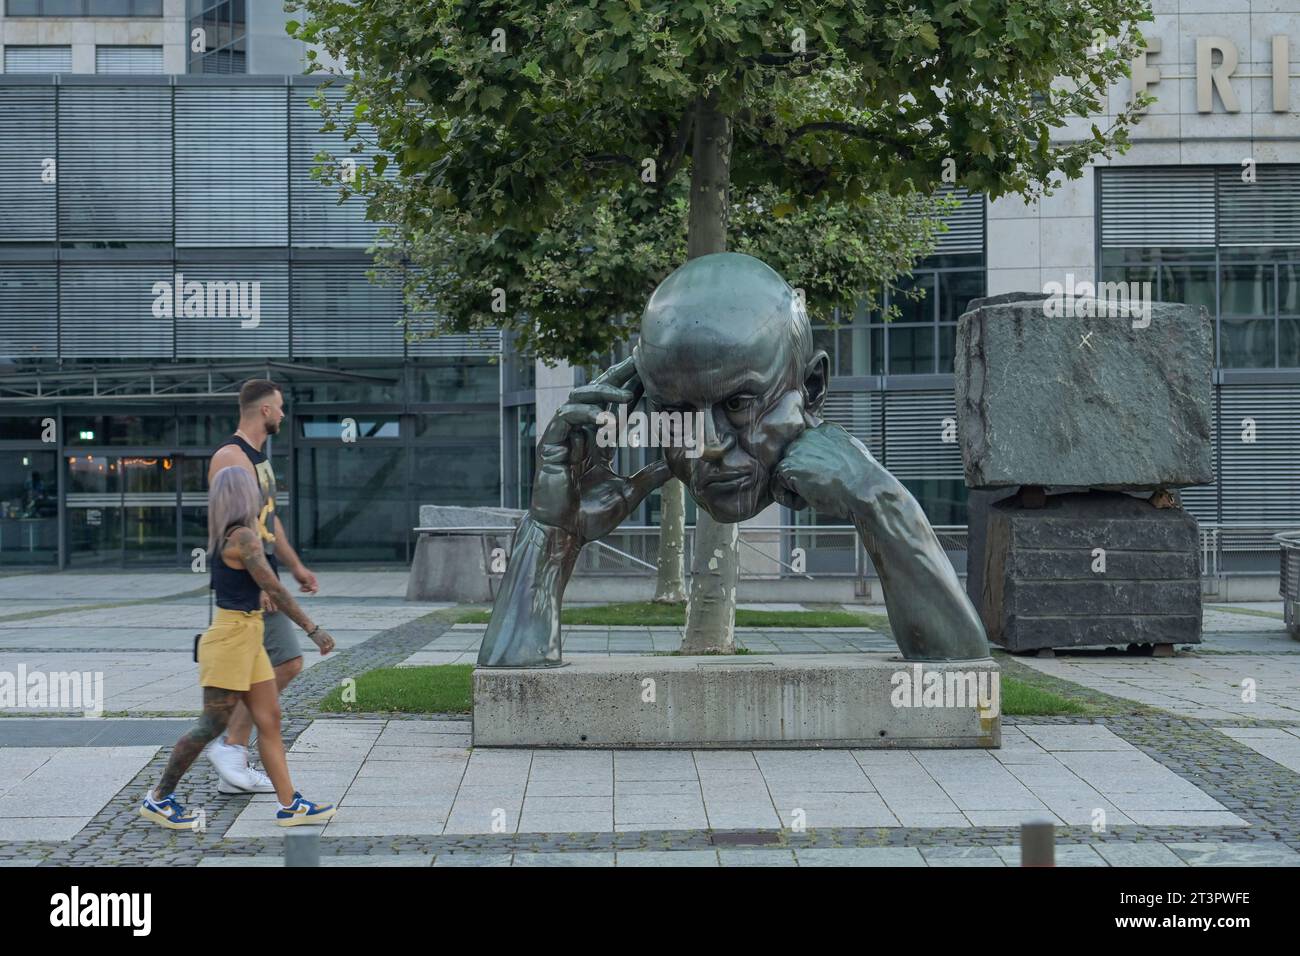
(727, 337)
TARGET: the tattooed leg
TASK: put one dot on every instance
(218, 704)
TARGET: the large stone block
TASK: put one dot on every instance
(455, 516)
(1082, 400)
(784, 700)
(1090, 569)
(452, 565)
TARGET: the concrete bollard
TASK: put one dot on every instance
(301, 848)
(1037, 843)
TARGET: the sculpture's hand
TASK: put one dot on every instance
(577, 489)
(824, 467)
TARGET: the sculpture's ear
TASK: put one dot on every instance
(816, 380)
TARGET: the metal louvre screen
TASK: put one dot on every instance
(338, 311)
(965, 224)
(1259, 477)
(27, 201)
(1263, 213)
(254, 298)
(318, 218)
(128, 59)
(106, 311)
(38, 59)
(115, 163)
(860, 413)
(28, 312)
(914, 439)
(450, 344)
(231, 166)
(1169, 206)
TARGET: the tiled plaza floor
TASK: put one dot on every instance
(1211, 782)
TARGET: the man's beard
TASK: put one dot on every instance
(272, 428)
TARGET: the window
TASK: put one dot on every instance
(921, 339)
(128, 59)
(1233, 248)
(38, 59)
(84, 8)
(222, 27)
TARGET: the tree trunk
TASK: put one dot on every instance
(671, 588)
(715, 558)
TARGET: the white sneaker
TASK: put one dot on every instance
(231, 763)
(259, 782)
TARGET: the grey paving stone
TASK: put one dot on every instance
(731, 856)
(861, 856)
(1186, 818)
(667, 858)
(552, 821)
(18, 829)
(564, 859)
(470, 858)
(1235, 854)
(1138, 854)
(926, 819)
(1052, 737)
(961, 856)
(1066, 854)
(385, 859)
(819, 810)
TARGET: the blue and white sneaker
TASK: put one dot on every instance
(304, 813)
(167, 813)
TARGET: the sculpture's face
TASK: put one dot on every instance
(751, 410)
(720, 345)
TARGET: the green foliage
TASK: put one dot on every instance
(543, 149)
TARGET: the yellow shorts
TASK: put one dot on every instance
(231, 655)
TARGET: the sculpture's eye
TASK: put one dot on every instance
(738, 403)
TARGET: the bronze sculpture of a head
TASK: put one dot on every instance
(724, 335)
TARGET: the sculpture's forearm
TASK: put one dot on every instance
(931, 616)
(525, 627)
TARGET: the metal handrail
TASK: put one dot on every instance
(624, 554)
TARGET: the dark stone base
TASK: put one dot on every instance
(1039, 588)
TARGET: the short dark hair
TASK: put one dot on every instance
(254, 390)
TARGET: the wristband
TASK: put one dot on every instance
(312, 632)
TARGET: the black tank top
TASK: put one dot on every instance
(236, 589)
(266, 484)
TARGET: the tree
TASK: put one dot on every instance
(504, 119)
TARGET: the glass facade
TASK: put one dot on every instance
(920, 340)
(84, 8)
(1242, 261)
(1253, 293)
(127, 291)
(223, 26)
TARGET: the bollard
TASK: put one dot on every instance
(1038, 843)
(301, 848)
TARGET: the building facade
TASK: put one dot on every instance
(144, 161)
(162, 239)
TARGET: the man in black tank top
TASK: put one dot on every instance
(261, 410)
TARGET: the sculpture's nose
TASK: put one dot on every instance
(715, 445)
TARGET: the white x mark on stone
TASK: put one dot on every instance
(1084, 341)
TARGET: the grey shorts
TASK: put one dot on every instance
(280, 638)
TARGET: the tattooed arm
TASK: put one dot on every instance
(255, 563)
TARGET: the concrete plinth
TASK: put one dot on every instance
(748, 701)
